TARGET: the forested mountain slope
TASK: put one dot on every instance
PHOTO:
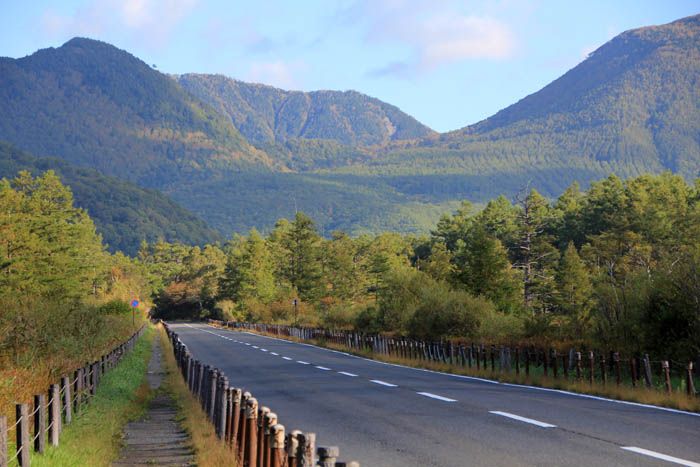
(311, 129)
(98, 106)
(124, 214)
(632, 106)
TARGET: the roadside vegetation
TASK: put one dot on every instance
(63, 298)
(93, 438)
(616, 267)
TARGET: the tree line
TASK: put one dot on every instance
(63, 297)
(615, 266)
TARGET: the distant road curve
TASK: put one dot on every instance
(387, 415)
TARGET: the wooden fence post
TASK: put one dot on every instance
(618, 372)
(591, 367)
(293, 449)
(633, 371)
(327, 456)
(603, 370)
(67, 401)
(277, 446)
(251, 447)
(689, 383)
(222, 394)
(578, 366)
(309, 446)
(262, 415)
(54, 414)
(78, 390)
(667, 375)
(242, 435)
(235, 415)
(22, 414)
(269, 422)
(3, 441)
(555, 364)
(40, 423)
(647, 371)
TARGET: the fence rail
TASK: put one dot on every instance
(53, 410)
(589, 365)
(253, 432)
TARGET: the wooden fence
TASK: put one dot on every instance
(572, 364)
(255, 436)
(43, 421)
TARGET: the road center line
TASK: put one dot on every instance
(247, 343)
(323, 368)
(346, 373)
(303, 362)
(263, 350)
(523, 419)
(274, 353)
(286, 358)
(658, 455)
(256, 347)
(384, 383)
(435, 396)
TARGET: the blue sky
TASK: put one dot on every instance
(447, 63)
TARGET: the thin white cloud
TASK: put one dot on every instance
(149, 22)
(277, 73)
(434, 34)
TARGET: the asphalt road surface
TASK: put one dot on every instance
(388, 415)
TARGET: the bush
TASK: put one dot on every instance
(115, 307)
(444, 313)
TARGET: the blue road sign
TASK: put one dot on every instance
(134, 303)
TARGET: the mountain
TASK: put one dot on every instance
(98, 106)
(632, 106)
(308, 129)
(124, 214)
(241, 155)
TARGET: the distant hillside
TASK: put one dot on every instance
(240, 155)
(320, 128)
(123, 213)
(632, 106)
(98, 106)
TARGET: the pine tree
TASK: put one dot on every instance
(574, 290)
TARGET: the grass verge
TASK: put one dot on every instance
(209, 450)
(94, 437)
(676, 400)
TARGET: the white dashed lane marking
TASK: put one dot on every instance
(323, 368)
(384, 383)
(435, 396)
(658, 455)
(523, 419)
(346, 373)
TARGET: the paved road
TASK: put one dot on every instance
(387, 415)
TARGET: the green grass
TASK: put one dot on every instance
(94, 437)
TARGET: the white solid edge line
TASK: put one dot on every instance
(523, 419)
(474, 378)
(286, 358)
(346, 373)
(658, 455)
(303, 362)
(323, 368)
(384, 383)
(435, 396)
